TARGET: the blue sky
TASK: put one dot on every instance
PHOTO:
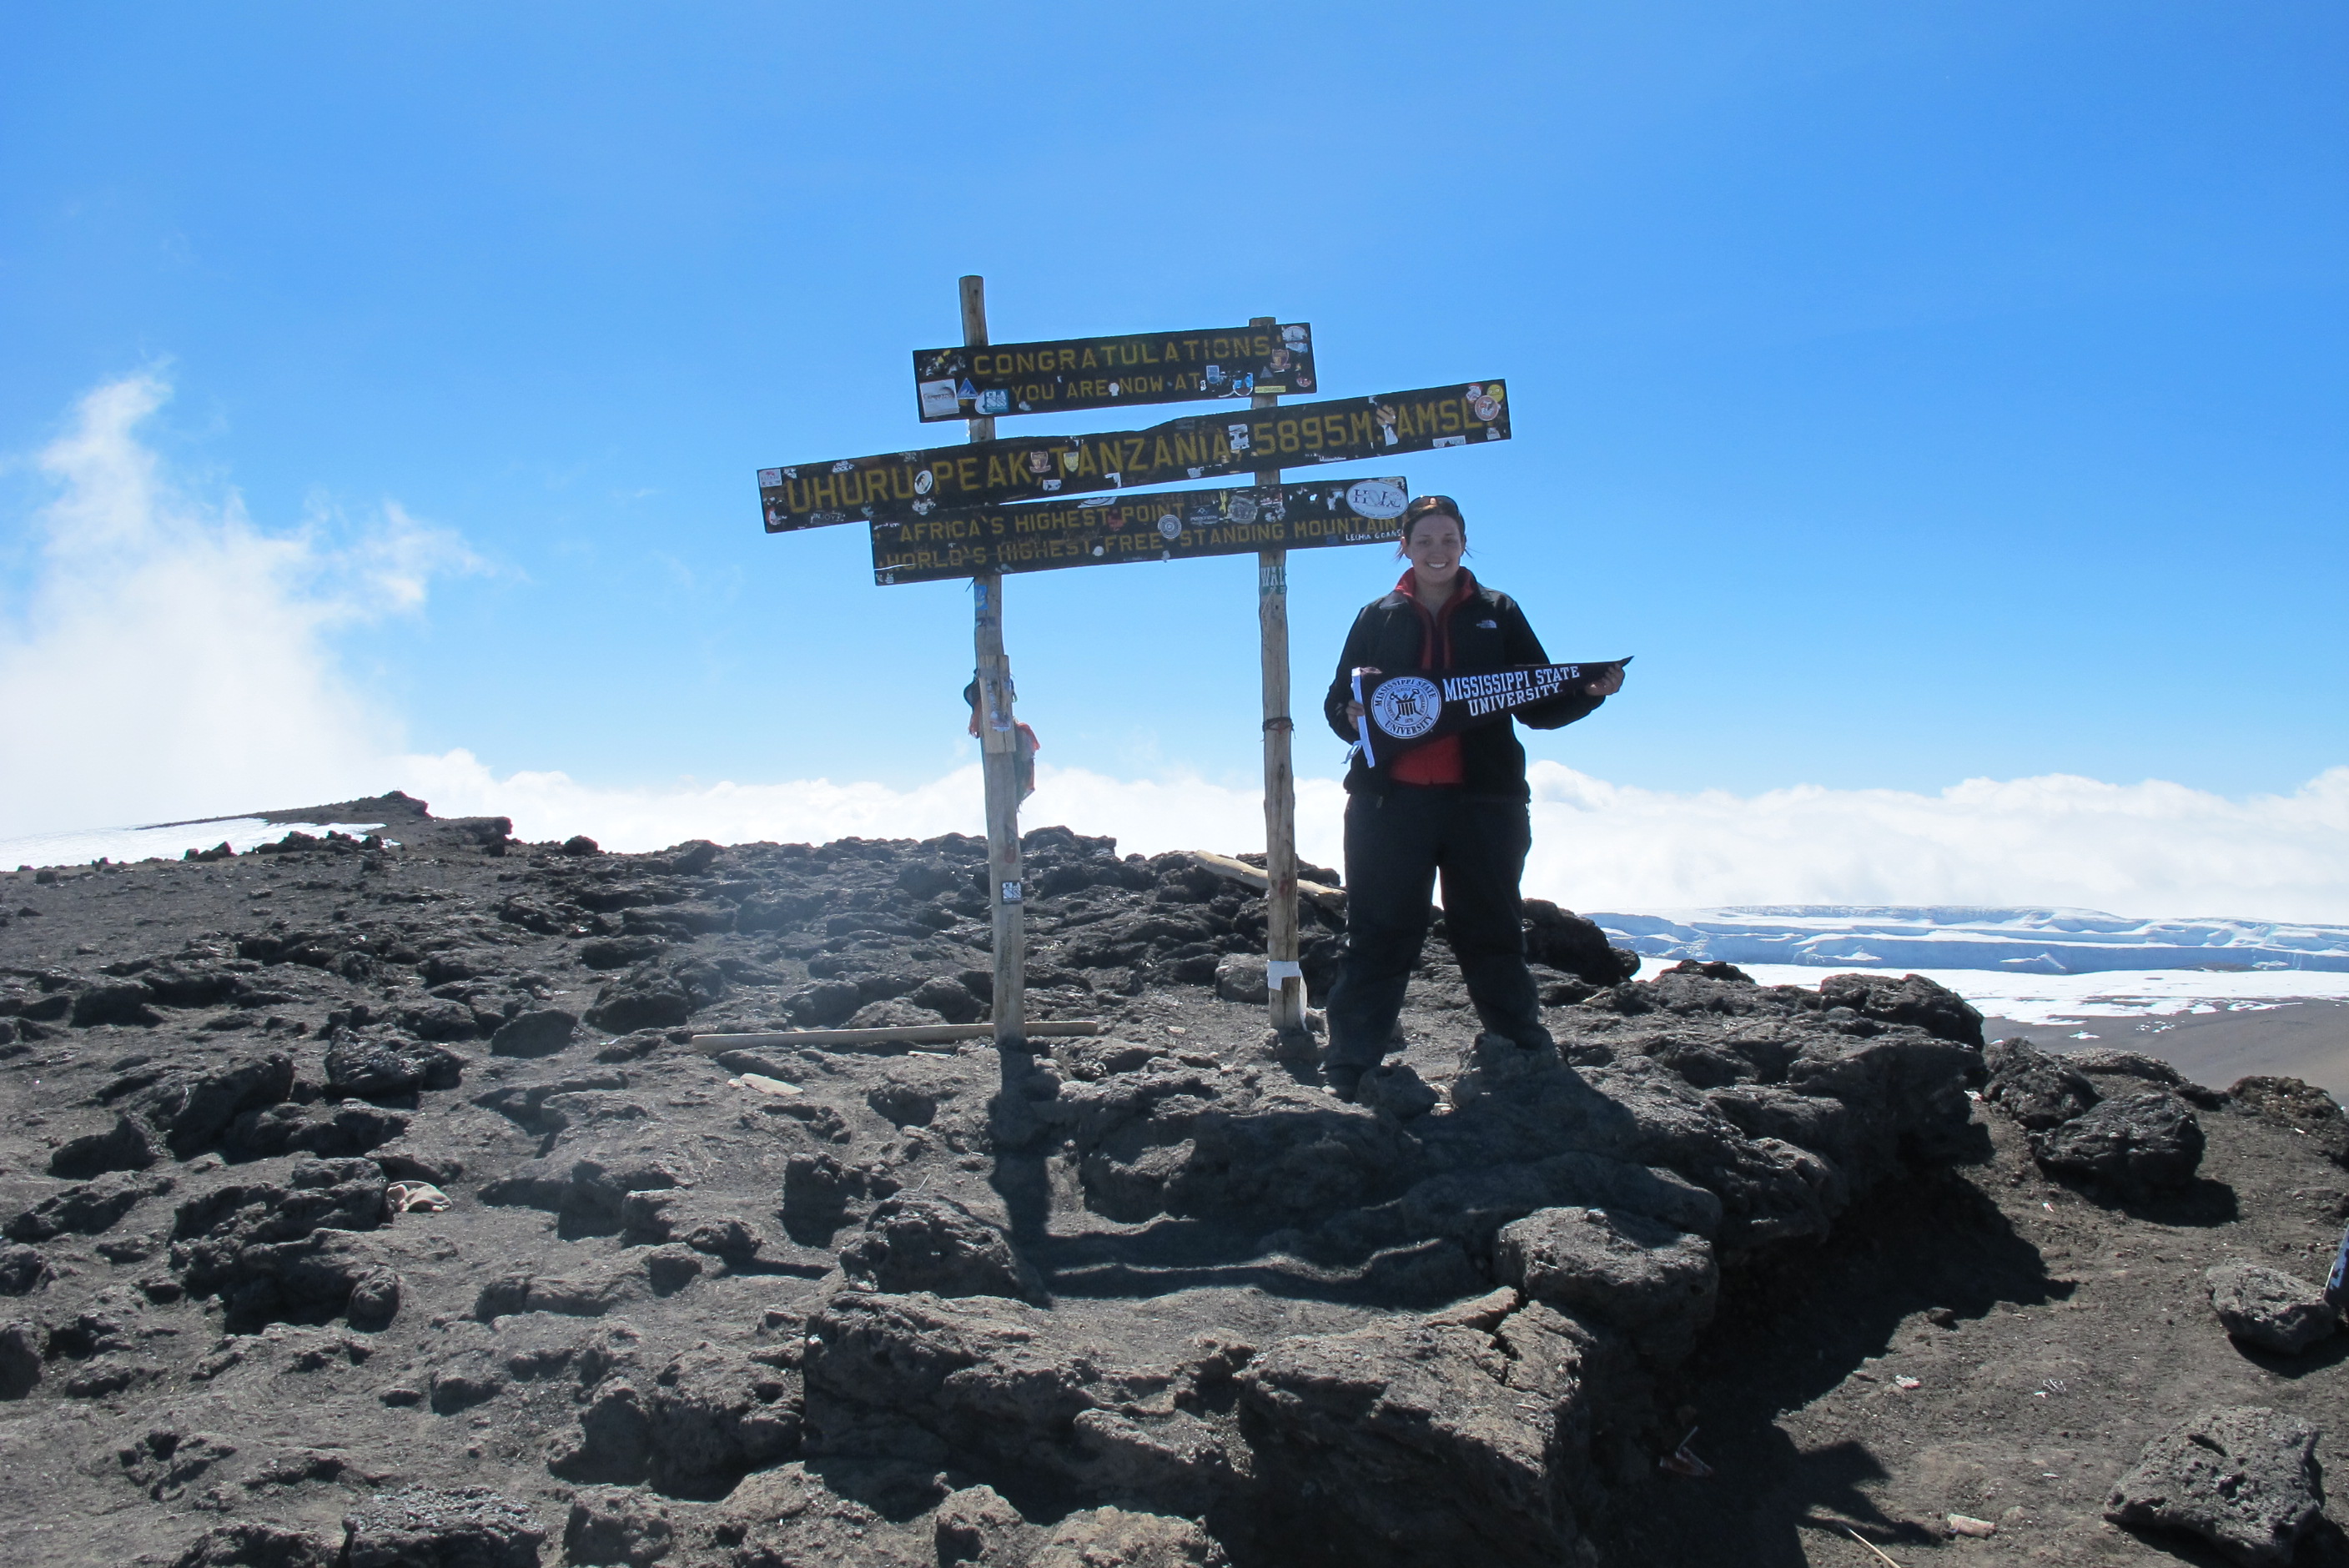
(1922, 393)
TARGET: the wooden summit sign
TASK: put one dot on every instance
(1112, 372)
(897, 486)
(1166, 525)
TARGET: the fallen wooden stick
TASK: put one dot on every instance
(1255, 877)
(912, 1034)
(1871, 1545)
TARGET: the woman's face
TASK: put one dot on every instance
(1434, 548)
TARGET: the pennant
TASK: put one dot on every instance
(1404, 711)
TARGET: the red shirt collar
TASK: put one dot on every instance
(1467, 586)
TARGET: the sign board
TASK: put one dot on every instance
(1112, 372)
(1169, 525)
(900, 486)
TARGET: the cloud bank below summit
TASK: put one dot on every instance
(2141, 848)
(163, 656)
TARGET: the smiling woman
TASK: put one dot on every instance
(1455, 806)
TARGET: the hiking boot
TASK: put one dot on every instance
(1344, 1082)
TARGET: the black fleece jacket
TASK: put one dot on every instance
(1484, 630)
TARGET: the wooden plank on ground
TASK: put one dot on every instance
(912, 1034)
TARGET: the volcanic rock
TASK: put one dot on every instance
(92, 1207)
(379, 1069)
(127, 1146)
(1151, 1295)
(1561, 939)
(255, 1543)
(539, 1033)
(466, 1527)
(2139, 1146)
(1653, 1283)
(2244, 1479)
(936, 1244)
(2269, 1308)
(2302, 1107)
(2037, 1090)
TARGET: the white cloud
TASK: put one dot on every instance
(172, 660)
(2152, 848)
(2149, 849)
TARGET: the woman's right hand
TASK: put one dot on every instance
(1354, 709)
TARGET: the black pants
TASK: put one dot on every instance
(1395, 845)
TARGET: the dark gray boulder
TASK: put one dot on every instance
(589, 1192)
(463, 1527)
(617, 1525)
(1397, 1091)
(1426, 1442)
(20, 1358)
(977, 1524)
(995, 1380)
(647, 998)
(715, 1415)
(272, 1250)
(1564, 940)
(328, 1131)
(1241, 977)
(2244, 1479)
(126, 1146)
(1657, 1285)
(2301, 1106)
(440, 1018)
(375, 1070)
(22, 1270)
(539, 1033)
(193, 1107)
(256, 1543)
(824, 1004)
(87, 1209)
(1092, 1537)
(935, 1245)
(2035, 1088)
(113, 1001)
(2139, 1146)
(2269, 1308)
(949, 997)
(1912, 1000)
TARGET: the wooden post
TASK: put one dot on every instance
(998, 741)
(1285, 988)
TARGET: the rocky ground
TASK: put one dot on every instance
(371, 1203)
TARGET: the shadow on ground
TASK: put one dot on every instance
(1789, 1337)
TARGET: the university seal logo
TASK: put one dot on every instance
(1406, 707)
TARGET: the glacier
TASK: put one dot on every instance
(2014, 941)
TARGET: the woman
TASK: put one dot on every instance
(1455, 806)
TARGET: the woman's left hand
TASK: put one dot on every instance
(1607, 684)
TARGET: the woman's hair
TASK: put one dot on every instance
(1430, 505)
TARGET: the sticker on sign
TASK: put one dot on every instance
(1379, 498)
(938, 400)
